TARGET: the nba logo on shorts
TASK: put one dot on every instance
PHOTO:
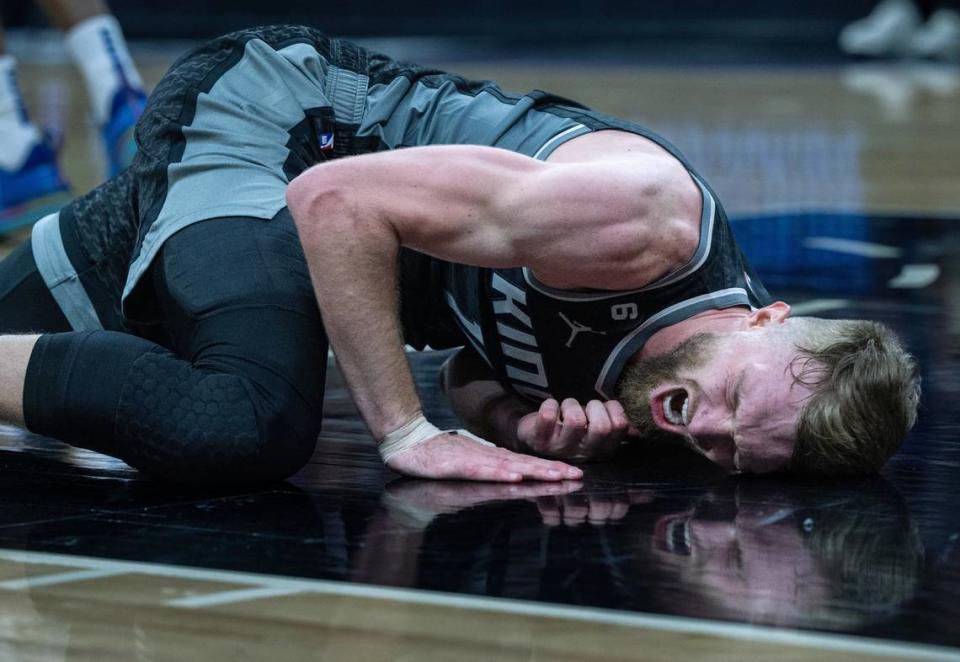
(326, 142)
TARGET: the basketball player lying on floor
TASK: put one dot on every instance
(579, 258)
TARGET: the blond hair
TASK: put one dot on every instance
(866, 392)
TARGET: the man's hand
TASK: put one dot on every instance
(453, 456)
(573, 432)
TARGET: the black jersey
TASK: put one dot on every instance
(544, 342)
(234, 120)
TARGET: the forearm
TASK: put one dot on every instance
(486, 408)
(353, 267)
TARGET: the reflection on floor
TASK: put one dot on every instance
(663, 534)
(650, 533)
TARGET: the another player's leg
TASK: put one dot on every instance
(887, 30)
(98, 48)
(939, 36)
(31, 185)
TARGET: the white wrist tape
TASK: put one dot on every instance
(414, 433)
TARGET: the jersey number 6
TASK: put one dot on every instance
(624, 311)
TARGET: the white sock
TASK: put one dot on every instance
(18, 134)
(98, 48)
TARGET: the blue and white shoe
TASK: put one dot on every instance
(35, 190)
(128, 104)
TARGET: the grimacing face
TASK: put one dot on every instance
(729, 396)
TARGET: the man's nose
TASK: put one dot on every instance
(713, 434)
(711, 422)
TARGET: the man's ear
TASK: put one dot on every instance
(775, 313)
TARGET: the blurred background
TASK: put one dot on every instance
(694, 31)
(832, 142)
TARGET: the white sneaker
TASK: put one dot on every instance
(887, 30)
(939, 37)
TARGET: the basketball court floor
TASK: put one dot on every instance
(844, 183)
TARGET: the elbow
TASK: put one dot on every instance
(298, 190)
(310, 197)
(329, 209)
(301, 198)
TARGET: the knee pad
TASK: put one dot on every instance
(192, 425)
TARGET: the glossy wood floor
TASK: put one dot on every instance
(652, 557)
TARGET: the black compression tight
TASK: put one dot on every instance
(232, 392)
(26, 305)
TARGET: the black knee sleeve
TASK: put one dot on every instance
(73, 385)
(127, 397)
(202, 426)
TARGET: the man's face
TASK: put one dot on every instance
(731, 396)
(750, 560)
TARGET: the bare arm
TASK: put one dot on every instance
(473, 205)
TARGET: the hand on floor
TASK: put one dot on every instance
(454, 456)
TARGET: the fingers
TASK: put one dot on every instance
(535, 490)
(453, 456)
(569, 510)
(547, 419)
(594, 431)
(450, 496)
(573, 426)
(570, 430)
(606, 427)
(537, 430)
(607, 446)
(536, 468)
(618, 416)
(599, 430)
(576, 509)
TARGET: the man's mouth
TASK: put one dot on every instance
(676, 407)
(672, 534)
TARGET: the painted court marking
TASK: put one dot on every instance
(52, 580)
(231, 597)
(852, 247)
(269, 586)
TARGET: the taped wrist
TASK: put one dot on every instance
(415, 432)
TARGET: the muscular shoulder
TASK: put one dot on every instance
(628, 221)
(609, 223)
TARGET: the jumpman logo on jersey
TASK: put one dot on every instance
(576, 327)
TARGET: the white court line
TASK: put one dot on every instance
(676, 624)
(51, 580)
(230, 597)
